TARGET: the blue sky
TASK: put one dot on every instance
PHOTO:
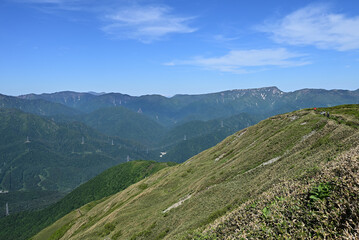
(183, 46)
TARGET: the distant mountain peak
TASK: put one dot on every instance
(263, 89)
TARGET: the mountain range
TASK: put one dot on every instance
(151, 119)
(182, 108)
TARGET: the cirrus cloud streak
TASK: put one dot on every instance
(246, 61)
(146, 23)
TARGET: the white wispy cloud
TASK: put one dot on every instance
(146, 23)
(245, 61)
(223, 38)
(316, 25)
(124, 20)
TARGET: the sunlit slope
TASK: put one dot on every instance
(325, 206)
(187, 196)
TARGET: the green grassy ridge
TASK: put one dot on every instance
(26, 224)
(325, 206)
(215, 181)
(349, 110)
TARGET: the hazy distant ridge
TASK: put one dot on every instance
(183, 108)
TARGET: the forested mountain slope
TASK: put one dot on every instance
(201, 135)
(24, 225)
(37, 106)
(124, 123)
(40, 154)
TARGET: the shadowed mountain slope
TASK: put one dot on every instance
(124, 123)
(40, 154)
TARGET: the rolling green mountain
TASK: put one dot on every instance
(124, 123)
(183, 108)
(39, 154)
(24, 225)
(181, 201)
(120, 122)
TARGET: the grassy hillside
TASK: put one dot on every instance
(181, 199)
(25, 224)
(323, 207)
